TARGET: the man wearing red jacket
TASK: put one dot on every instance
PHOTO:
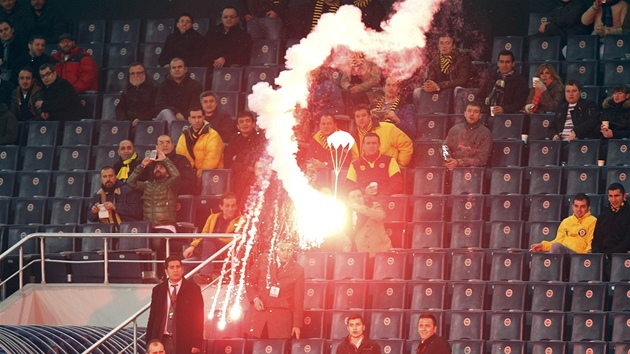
(75, 65)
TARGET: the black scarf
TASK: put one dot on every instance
(607, 16)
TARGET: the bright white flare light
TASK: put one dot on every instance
(235, 311)
(339, 145)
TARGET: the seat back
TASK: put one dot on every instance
(582, 47)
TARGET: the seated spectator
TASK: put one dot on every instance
(227, 43)
(177, 93)
(565, 19)
(324, 95)
(184, 43)
(25, 95)
(75, 65)
(137, 101)
(612, 227)
(201, 144)
(224, 221)
(451, 69)
(575, 233)
(242, 152)
(616, 115)
(265, 18)
(547, 93)
(362, 78)
(318, 156)
(219, 120)
(375, 173)
(117, 199)
(606, 16)
(367, 224)
(8, 126)
(58, 100)
(372, 13)
(391, 108)
(6, 90)
(470, 142)
(14, 45)
(357, 341)
(576, 118)
(17, 16)
(505, 90)
(48, 21)
(394, 142)
(33, 59)
(129, 160)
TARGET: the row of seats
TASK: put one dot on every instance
(400, 346)
(463, 265)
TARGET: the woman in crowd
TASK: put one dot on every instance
(546, 93)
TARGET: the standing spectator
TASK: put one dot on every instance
(357, 341)
(547, 93)
(176, 316)
(367, 232)
(392, 108)
(8, 126)
(137, 102)
(276, 291)
(76, 65)
(13, 44)
(33, 59)
(6, 90)
(177, 94)
(25, 96)
(17, 15)
(120, 202)
(184, 43)
(201, 144)
(565, 19)
(470, 142)
(58, 101)
(48, 22)
(360, 78)
(219, 120)
(265, 18)
(606, 16)
(617, 113)
(613, 227)
(505, 90)
(227, 43)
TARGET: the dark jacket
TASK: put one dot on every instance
(178, 97)
(372, 14)
(8, 126)
(234, 46)
(367, 346)
(618, 116)
(24, 109)
(566, 19)
(79, 69)
(222, 122)
(19, 18)
(189, 331)
(128, 202)
(16, 48)
(259, 8)
(61, 101)
(612, 231)
(34, 63)
(138, 102)
(434, 345)
(584, 116)
(6, 91)
(50, 23)
(159, 197)
(187, 46)
(460, 73)
(514, 93)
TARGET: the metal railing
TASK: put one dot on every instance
(106, 236)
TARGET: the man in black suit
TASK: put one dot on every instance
(176, 317)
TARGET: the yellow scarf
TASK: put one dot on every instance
(319, 10)
(445, 63)
(124, 170)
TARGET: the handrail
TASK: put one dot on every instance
(138, 313)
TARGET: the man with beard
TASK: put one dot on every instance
(47, 20)
(33, 59)
(75, 65)
(188, 178)
(357, 341)
(129, 160)
(58, 101)
(219, 120)
(200, 144)
(137, 101)
(115, 202)
(25, 96)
